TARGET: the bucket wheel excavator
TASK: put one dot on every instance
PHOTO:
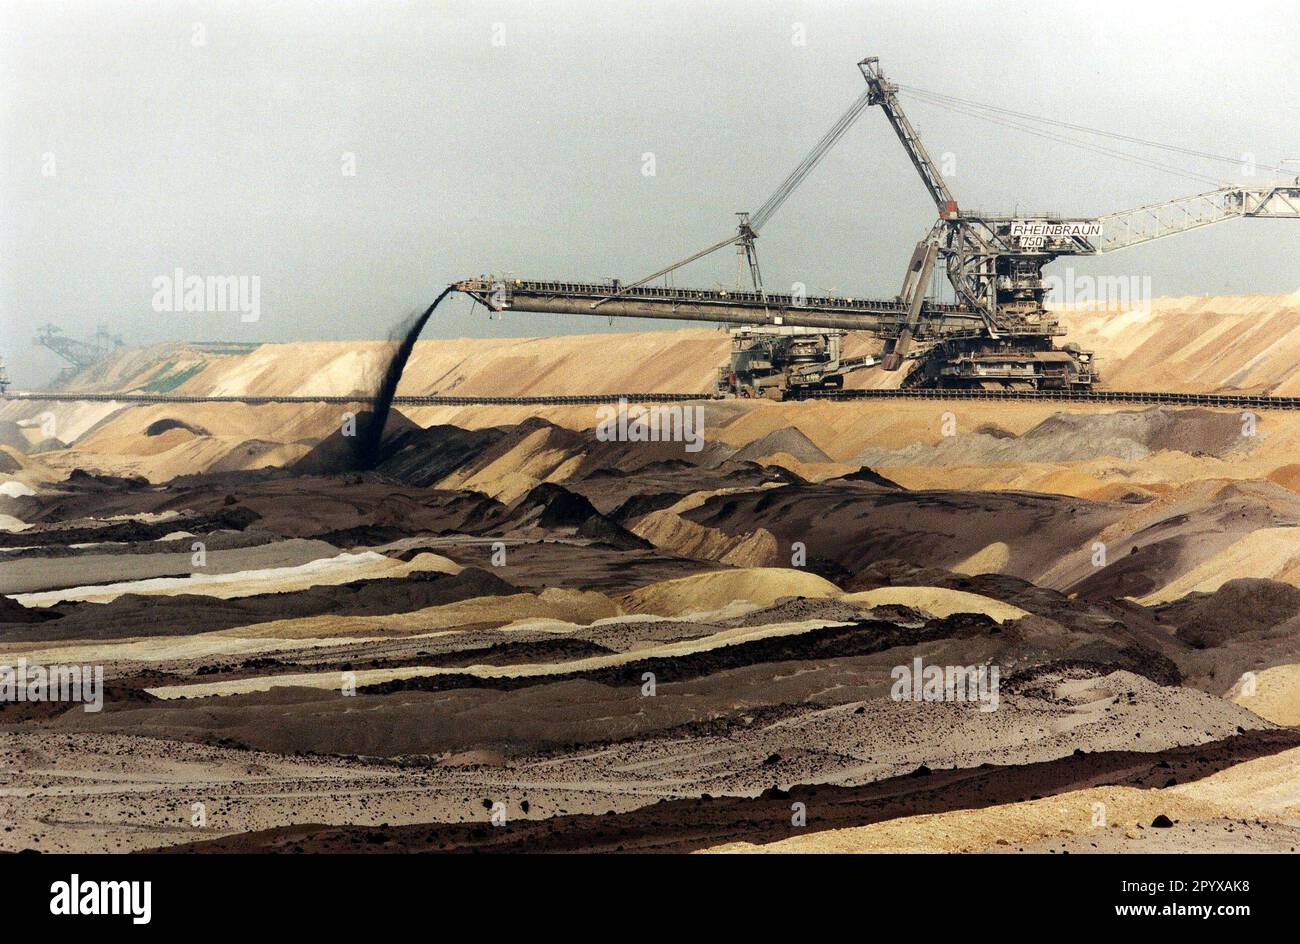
(996, 333)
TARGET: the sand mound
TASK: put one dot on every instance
(1016, 824)
(577, 607)
(808, 471)
(38, 574)
(333, 680)
(1266, 786)
(1110, 492)
(937, 601)
(987, 560)
(1288, 476)
(326, 572)
(425, 457)
(703, 593)
(789, 440)
(671, 532)
(260, 454)
(868, 476)
(166, 648)
(15, 489)
(28, 469)
(544, 454)
(1270, 552)
(1243, 605)
(1184, 541)
(1276, 697)
(13, 437)
(1195, 344)
(1129, 435)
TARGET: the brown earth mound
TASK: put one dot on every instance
(1243, 605)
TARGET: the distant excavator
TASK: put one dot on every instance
(78, 354)
(996, 334)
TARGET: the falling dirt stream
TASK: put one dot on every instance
(372, 433)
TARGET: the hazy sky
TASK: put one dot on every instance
(138, 137)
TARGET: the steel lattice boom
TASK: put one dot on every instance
(1000, 335)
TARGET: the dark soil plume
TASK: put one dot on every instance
(370, 434)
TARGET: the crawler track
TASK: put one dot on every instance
(1234, 401)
